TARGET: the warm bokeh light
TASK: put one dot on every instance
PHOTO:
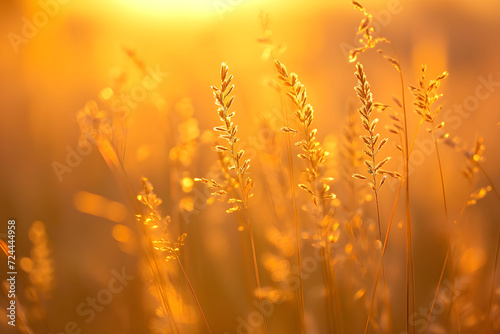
(96, 205)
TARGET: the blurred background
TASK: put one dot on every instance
(150, 64)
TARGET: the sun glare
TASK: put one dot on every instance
(170, 6)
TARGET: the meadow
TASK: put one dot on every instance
(250, 166)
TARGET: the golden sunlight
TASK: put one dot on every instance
(170, 7)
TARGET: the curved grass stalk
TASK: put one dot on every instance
(205, 322)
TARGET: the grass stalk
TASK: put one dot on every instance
(228, 132)
(448, 242)
(409, 245)
(207, 326)
(114, 163)
(315, 156)
(296, 218)
(497, 249)
(373, 147)
(386, 240)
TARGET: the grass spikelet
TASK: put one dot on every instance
(371, 140)
(158, 225)
(426, 95)
(313, 153)
(366, 32)
(228, 132)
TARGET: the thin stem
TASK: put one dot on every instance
(387, 306)
(437, 290)
(409, 245)
(220, 97)
(315, 158)
(380, 238)
(295, 214)
(194, 294)
(336, 298)
(495, 190)
(254, 256)
(448, 241)
(328, 301)
(324, 252)
(256, 270)
(386, 240)
(495, 266)
(440, 173)
(326, 272)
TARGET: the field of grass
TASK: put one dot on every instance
(254, 167)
